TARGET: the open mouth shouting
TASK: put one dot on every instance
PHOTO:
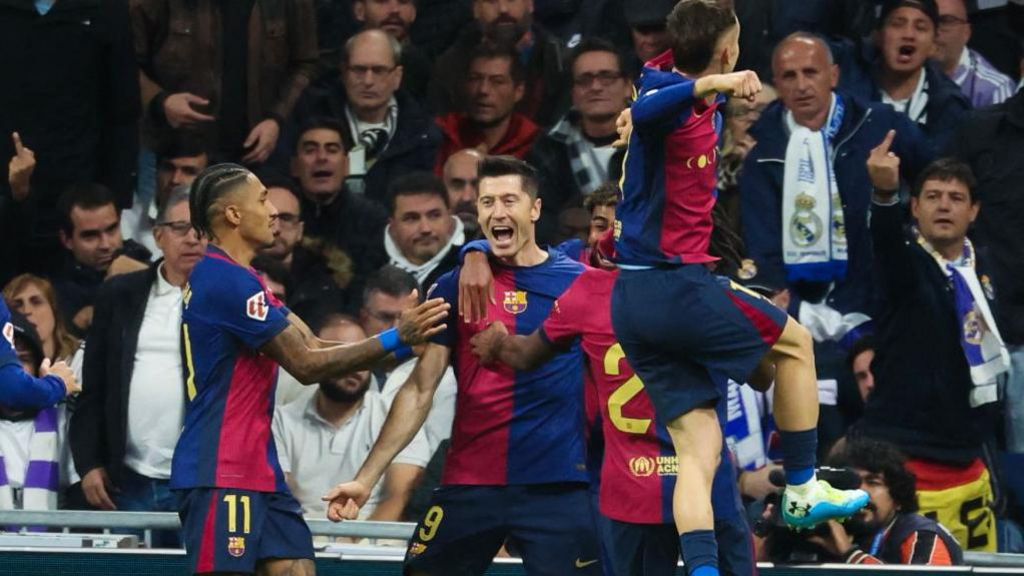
(502, 236)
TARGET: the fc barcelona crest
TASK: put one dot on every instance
(515, 301)
(236, 546)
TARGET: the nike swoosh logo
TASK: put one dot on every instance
(582, 564)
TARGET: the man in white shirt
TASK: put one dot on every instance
(130, 413)
(328, 437)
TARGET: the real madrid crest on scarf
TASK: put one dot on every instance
(805, 226)
(515, 301)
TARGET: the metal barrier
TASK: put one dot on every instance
(149, 521)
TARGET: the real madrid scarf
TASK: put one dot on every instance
(983, 348)
(813, 228)
(42, 477)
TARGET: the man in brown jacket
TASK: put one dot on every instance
(230, 70)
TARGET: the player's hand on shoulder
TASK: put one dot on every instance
(419, 324)
(742, 84)
(476, 287)
(64, 372)
(345, 500)
(486, 344)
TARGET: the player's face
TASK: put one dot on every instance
(256, 215)
(353, 386)
(290, 227)
(805, 81)
(599, 88)
(371, 76)
(393, 16)
(944, 212)
(320, 164)
(906, 40)
(175, 172)
(31, 303)
(880, 508)
(177, 239)
(507, 214)
(601, 219)
(95, 236)
(421, 226)
(493, 94)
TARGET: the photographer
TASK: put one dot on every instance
(889, 530)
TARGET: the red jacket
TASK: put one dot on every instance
(460, 133)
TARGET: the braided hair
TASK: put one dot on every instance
(210, 186)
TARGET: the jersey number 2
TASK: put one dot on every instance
(623, 394)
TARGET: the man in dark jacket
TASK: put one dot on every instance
(71, 94)
(831, 298)
(507, 25)
(939, 354)
(128, 418)
(388, 132)
(898, 71)
(573, 158)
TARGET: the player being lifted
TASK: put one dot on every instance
(516, 467)
(237, 514)
(675, 319)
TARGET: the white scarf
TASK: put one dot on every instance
(421, 271)
(813, 228)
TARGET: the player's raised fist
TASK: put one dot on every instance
(884, 166)
(419, 324)
(64, 372)
(743, 84)
(345, 500)
(487, 344)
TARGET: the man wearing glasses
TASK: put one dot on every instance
(978, 79)
(127, 423)
(574, 156)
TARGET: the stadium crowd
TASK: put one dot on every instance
(366, 121)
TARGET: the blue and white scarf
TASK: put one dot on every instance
(42, 479)
(983, 347)
(813, 225)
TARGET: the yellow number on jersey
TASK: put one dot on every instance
(190, 380)
(623, 394)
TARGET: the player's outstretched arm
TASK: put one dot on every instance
(742, 84)
(408, 412)
(311, 361)
(515, 351)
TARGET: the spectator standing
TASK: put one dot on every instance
(574, 156)
(231, 71)
(73, 100)
(939, 352)
(978, 79)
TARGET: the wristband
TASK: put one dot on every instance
(390, 341)
(404, 353)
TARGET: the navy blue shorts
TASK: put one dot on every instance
(229, 530)
(465, 526)
(679, 324)
(653, 549)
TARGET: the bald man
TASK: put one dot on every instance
(821, 256)
(460, 176)
(390, 133)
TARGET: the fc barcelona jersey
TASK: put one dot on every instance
(226, 441)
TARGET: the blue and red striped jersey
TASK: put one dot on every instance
(515, 427)
(639, 470)
(227, 441)
(669, 173)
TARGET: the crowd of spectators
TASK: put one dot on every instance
(365, 119)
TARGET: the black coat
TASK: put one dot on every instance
(353, 224)
(99, 424)
(992, 142)
(922, 380)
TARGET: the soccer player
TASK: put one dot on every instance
(236, 511)
(639, 467)
(677, 322)
(19, 389)
(517, 464)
